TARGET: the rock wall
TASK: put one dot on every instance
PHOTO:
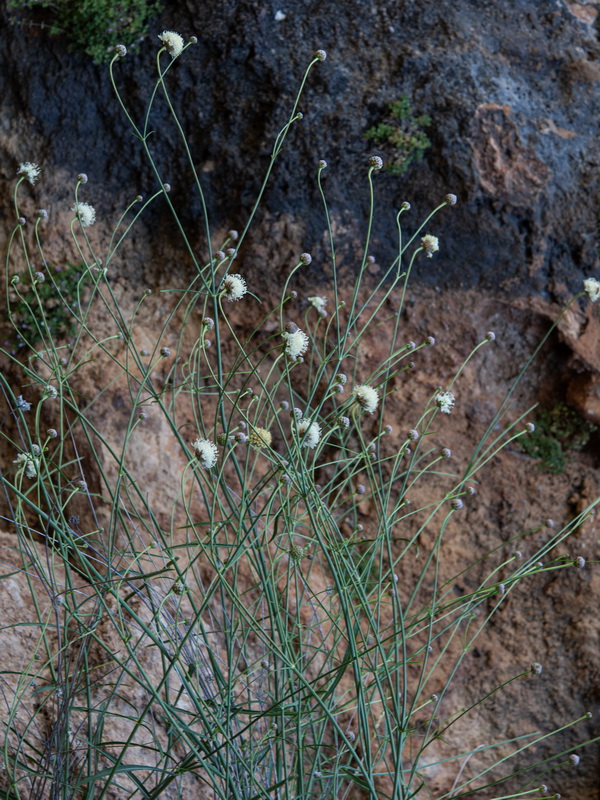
(514, 94)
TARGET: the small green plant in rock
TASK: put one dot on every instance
(402, 135)
(92, 26)
(44, 303)
(556, 430)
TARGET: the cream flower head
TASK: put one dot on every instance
(206, 452)
(366, 397)
(234, 288)
(445, 402)
(592, 287)
(30, 170)
(431, 245)
(312, 431)
(319, 303)
(85, 213)
(296, 343)
(29, 462)
(260, 437)
(173, 42)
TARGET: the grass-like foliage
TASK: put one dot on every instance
(236, 629)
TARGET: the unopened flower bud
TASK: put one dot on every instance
(536, 668)
(375, 162)
(490, 336)
(121, 50)
(574, 759)
(82, 177)
(456, 503)
(445, 452)
(413, 435)
(388, 429)
(305, 258)
(360, 489)
(321, 55)
(580, 562)
(322, 164)
(405, 206)
(429, 341)
(450, 199)
(42, 213)
(193, 40)
(291, 327)
(165, 351)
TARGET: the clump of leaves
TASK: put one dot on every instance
(56, 295)
(92, 26)
(557, 430)
(400, 134)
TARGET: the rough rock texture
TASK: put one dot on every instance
(514, 93)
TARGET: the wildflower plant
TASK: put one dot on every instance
(233, 624)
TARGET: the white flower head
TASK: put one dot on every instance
(312, 431)
(296, 344)
(319, 303)
(234, 288)
(30, 170)
(206, 452)
(173, 42)
(85, 213)
(29, 462)
(445, 402)
(23, 404)
(592, 287)
(366, 397)
(431, 245)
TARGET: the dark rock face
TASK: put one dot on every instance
(513, 90)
